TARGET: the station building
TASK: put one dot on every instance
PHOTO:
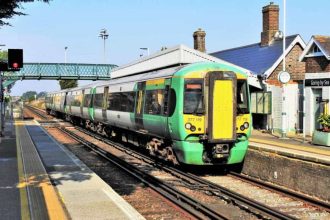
(316, 57)
(264, 59)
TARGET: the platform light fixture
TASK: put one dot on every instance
(145, 48)
(104, 35)
(65, 53)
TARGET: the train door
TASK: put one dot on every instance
(154, 119)
(222, 106)
(69, 102)
(105, 103)
(65, 103)
(139, 103)
(82, 103)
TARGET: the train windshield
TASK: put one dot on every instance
(242, 97)
(193, 97)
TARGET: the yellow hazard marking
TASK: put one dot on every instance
(52, 200)
(192, 75)
(25, 213)
(223, 112)
(155, 82)
(291, 146)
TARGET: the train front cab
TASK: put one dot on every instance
(216, 119)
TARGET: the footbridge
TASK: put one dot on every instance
(59, 71)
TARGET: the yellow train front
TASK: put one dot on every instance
(214, 123)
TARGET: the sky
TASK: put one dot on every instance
(49, 28)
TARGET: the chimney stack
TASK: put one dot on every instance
(270, 23)
(199, 40)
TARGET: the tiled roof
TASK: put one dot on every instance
(324, 43)
(254, 57)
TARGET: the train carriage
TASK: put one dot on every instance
(193, 114)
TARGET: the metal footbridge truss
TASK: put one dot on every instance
(60, 71)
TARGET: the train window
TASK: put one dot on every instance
(193, 97)
(123, 101)
(87, 100)
(154, 102)
(128, 98)
(98, 100)
(242, 97)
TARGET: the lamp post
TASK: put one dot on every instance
(104, 35)
(145, 48)
(284, 78)
(65, 51)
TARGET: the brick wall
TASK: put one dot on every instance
(317, 64)
(292, 65)
(270, 24)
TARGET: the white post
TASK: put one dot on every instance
(284, 112)
(304, 112)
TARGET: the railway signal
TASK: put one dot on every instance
(15, 59)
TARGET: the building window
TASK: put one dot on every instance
(314, 51)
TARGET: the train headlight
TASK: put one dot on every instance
(187, 126)
(246, 125)
(242, 128)
(193, 128)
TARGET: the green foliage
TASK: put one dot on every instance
(324, 120)
(67, 84)
(29, 95)
(41, 95)
(8, 8)
(3, 55)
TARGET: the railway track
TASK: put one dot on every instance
(190, 205)
(244, 202)
(196, 183)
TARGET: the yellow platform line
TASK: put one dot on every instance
(54, 206)
(25, 213)
(291, 146)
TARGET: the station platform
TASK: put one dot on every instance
(292, 163)
(293, 146)
(40, 179)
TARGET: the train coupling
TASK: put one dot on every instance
(220, 150)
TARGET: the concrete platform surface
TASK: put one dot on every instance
(41, 179)
(293, 146)
(84, 194)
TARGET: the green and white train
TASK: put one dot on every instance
(196, 114)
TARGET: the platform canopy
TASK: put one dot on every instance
(175, 56)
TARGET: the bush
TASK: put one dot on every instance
(324, 120)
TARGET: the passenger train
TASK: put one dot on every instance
(195, 114)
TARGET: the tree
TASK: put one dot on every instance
(29, 95)
(3, 55)
(41, 94)
(66, 84)
(8, 8)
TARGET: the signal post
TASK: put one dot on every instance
(14, 63)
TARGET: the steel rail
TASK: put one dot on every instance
(287, 192)
(184, 201)
(235, 197)
(36, 111)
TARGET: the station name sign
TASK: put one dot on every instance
(317, 82)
